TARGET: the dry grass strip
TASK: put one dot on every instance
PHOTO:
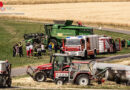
(14, 2)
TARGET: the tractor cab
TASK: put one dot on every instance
(60, 62)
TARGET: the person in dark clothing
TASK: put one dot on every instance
(8, 67)
(20, 49)
(14, 51)
(79, 23)
(123, 42)
(39, 51)
(56, 48)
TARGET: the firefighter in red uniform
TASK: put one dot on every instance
(79, 23)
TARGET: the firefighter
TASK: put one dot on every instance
(79, 23)
(20, 49)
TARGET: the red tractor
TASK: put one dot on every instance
(80, 73)
(61, 69)
(42, 72)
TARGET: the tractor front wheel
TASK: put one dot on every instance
(40, 77)
(59, 82)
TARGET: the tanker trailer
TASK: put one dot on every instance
(115, 72)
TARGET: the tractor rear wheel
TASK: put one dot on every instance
(40, 77)
(83, 80)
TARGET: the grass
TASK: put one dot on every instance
(7, 40)
(12, 32)
(56, 1)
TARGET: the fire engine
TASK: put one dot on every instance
(109, 45)
(81, 46)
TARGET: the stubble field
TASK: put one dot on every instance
(106, 13)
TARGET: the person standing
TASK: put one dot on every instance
(39, 51)
(31, 49)
(123, 42)
(14, 50)
(28, 50)
(20, 49)
(56, 48)
(79, 23)
(8, 66)
(17, 49)
(43, 48)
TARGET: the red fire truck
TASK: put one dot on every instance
(109, 45)
(81, 46)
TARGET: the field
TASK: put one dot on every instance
(55, 1)
(101, 13)
(26, 81)
(12, 32)
(31, 84)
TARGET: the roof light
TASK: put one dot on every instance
(79, 36)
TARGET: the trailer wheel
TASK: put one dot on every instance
(9, 82)
(83, 80)
(40, 77)
(59, 82)
(117, 79)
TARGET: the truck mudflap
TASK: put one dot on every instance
(30, 71)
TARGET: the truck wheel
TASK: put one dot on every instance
(59, 82)
(40, 77)
(83, 80)
(93, 56)
(85, 55)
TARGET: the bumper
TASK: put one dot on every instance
(75, 53)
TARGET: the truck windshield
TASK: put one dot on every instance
(73, 42)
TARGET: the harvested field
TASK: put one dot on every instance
(112, 13)
(55, 1)
(29, 82)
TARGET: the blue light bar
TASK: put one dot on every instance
(67, 37)
(79, 36)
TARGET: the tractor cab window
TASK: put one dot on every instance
(61, 61)
(84, 67)
(73, 42)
